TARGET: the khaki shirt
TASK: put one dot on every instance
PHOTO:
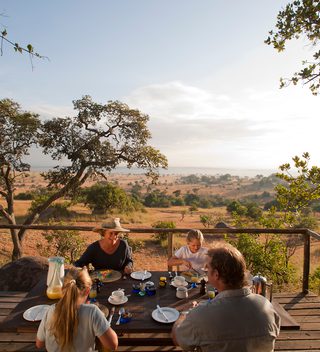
(236, 320)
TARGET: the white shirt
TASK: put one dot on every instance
(198, 259)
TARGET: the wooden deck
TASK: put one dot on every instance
(305, 309)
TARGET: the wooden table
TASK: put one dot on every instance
(132, 333)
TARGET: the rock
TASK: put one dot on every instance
(22, 274)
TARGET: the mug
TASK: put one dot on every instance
(182, 292)
(179, 280)
(117, 296)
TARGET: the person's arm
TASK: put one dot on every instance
(109, 339)
(174, 328)
(39, 343)
(128, 262)
(85, 259)
(179, 261)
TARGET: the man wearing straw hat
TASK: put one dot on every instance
(110, 252)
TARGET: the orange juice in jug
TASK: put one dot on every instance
(54, 292)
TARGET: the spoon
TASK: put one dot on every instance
(121, 311)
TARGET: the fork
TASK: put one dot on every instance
(121, 311)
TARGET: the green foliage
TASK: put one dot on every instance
(249, 209)
(24, 196)
(314, 281)
(299, 190)
(157, 198)
(300, 18)
(267, 257)
(103, 198)
(64, 243)
(162, 237)
(207, 220)
(135, 245)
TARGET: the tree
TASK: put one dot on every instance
(299, 190)
(18, 132)
(103, 198)
(299, 18)
(94, 142)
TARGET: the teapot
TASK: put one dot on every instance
(55, 277)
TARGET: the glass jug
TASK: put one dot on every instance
(55, 277)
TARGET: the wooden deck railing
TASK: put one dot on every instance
(306, 233)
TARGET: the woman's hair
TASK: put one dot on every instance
(230, 264)
(194, 235)
(64, 323)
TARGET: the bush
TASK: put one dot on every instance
(162, 237)
(268, 258)
(134, 244)
(63, 243)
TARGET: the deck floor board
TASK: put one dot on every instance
(305, 309)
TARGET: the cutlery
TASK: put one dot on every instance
(121, 311)
(111, 315)
(162, 312)
(197, 271)
(144, 275)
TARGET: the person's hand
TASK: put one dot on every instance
(187, 264)
(128, 269)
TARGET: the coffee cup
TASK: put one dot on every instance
(179, 280)
(117, 296)
(182, 292)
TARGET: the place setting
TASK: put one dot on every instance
(107, 275)
(141, 275)
(179, 281)
(165, 315)
(118, 297)
(36, 313)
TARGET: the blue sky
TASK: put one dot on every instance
(200, 69)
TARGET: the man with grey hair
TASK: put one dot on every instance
(236, 320)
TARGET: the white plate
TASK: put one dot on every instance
(125, 300)
(139, 275)
(171, 313)
(175, 285)
(36, 313)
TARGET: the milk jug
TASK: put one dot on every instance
(55, 277)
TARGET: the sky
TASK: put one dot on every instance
(199, 69)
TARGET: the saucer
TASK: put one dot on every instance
(124, 300)
(175, 285)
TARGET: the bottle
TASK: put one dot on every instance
(203, 287)
(55, 277)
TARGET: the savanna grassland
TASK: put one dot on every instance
(150, 254)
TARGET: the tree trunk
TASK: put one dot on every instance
(17, 251)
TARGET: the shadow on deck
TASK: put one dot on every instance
(303, 308)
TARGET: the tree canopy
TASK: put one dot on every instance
(93, 142)
(300, 18)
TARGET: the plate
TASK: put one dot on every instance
(139, 275)
(171, 313)
(36, 313)
(189, 274)
(175, 285)
(107, 275)
(125, 300)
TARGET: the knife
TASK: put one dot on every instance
(198, 271)
(111, 315)
(162, 312)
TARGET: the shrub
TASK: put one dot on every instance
(63, 243)
(162, 237)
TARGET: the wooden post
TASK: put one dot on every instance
(306, 262)
(170, 247)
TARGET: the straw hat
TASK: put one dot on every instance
(114, 225)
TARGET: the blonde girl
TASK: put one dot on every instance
(192, 255)
(72, 325)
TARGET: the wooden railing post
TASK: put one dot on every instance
(170, 247)
(306, 262)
